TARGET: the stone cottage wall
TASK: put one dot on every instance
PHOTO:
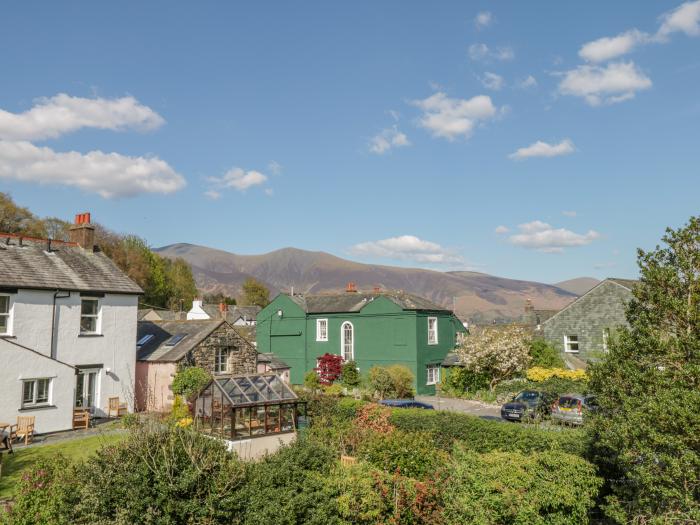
(603, 308)
(242, 357)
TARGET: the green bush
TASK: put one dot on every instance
(189, 381)
(544, 355)
(511, 487)
(481, 435)
(394, 381)
(311, 380)
(401, 381)
(460, 380)
(335, 390)
(180, 409)
(411, 454)
(349, 374)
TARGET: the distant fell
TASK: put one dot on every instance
(477, 297)
(578, 286)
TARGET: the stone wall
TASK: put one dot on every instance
(601, 309)
(242, 358)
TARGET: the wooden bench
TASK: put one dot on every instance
(116, 408)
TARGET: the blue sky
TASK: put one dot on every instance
(394, 132)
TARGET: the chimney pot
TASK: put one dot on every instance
(351, 288)
(82, 232)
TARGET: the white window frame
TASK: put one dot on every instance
(8, 315)
(433, 340)
(342, 341)
(34, 403)
(322, 336)
(97, 316)
(435, 369)
(568, 343)
(221, 367)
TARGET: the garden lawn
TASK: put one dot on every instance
(74, 449)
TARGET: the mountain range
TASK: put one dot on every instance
(474, 296)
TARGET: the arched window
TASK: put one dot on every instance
(347, 341)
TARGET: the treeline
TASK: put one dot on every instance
(166, 283)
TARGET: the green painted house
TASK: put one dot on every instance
(378, 328)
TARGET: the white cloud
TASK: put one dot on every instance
(502, 229)
(239, 179)
(543, 149)
(483, 52)
(453, 117)
(569, 213)
(685, 19)
(60, 114)
(107, 174)
(538, 235)
(274, 167)
(387, 139)
(408, 247)
(604, 85)
(483, 19)
(527, 82)
(611, 47)
(212, 194)
(492, 81)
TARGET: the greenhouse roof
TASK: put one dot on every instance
(255, 389)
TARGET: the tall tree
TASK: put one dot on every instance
(647, 436)
(255, 293)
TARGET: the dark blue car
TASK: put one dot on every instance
(405, 403)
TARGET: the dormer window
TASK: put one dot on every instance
(89, 315)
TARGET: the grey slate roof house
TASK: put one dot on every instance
(581, 330)
(165, 346)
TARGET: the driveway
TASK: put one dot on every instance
(474, 408)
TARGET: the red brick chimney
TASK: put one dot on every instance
(223, 308)
(351, 288)
(82, 232)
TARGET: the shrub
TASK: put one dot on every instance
(311, 380)
(460, 380)
(411, 454)
(374, 417)
(335, 390)
(329, 368)
(380, 381)
(46, 495)
(179, 411)
(349, 374)
(544, 355)
(401, 381)
(539, 374)
(189, 381)
(481, 435)
(130, 420)
(511, 487)
(367, 496)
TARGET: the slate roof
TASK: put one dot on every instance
(67, 267)
(543, 315)
(164, 315)
(354, 302)
(627, 283)
(274, 362)
(234, 312)
(156, 350)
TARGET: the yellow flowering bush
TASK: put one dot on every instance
(539, 374)
(184, 422)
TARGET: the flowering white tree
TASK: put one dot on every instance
(498, 351)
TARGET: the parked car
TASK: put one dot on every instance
(527, 404)
(405, 403)
(571, 408)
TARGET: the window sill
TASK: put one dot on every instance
(571, 351)
(90, 335)
(8, 336)
(38, 407)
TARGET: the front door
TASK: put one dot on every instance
(86, 388)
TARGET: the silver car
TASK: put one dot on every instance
(571, 408)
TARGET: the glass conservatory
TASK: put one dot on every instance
(243, 407)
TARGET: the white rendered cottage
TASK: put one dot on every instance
(67, 328)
